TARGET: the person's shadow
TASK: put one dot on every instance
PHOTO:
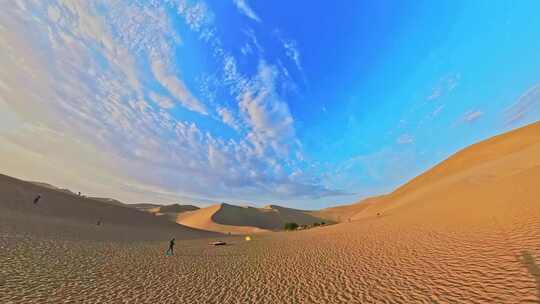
(529, 261)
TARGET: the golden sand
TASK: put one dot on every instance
(466, 231)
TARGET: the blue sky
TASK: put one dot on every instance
(298, 103)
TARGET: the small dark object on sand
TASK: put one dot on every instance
(36, 200)
(218, 243)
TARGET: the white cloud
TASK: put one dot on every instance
(268, 116)
(176, 87)
(197, 15)
(524, 108)
(104, 123)
(245, 9)
(246, 49)
(162, 101)
(251, 35)
(405, 139)
(228, 118)
(437, 111)
(291, 49)
(444, 86)
(472, 116)
(435, 93)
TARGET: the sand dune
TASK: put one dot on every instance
(64, 214)
(466, 231)
(176, 208)
(169, 212)
(111, 201)
(203, 219)
(155, 208)
(481, 163)
(232, 219)
(343, 213)
(484, 177)
(143, 206)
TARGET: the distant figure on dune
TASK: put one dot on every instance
(36, 200)
(79, 194)
(170, 251)
(98, 222)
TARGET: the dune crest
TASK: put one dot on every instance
(480, 164)
(483, 178)
(233, 219)
(63, 214)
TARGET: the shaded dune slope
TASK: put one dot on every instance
(169, 212)
(241, 220)
(66, 215)
(176, 208)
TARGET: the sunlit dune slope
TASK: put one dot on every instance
(484, 182)
(63, 214)
(241, 220)
(483, 175)
(467, 231)
(169, 212)
(343, 213)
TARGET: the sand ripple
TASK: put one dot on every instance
(370, 262)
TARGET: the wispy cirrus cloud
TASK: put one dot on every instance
(244, 8)
(472, 116)
(267, 116)
(444, 86)
(228, 118)
(106, 84)
(405, 139)
(162, 101)
(291, 49)
(176, 87)
(524, 107)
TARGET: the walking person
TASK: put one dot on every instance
(170, 251)
(36, 200)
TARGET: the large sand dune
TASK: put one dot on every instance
(63, 214)
(170, 212)
(464, 173)
(343, 213)
(466, 231)
(479, 183)
(232, 219)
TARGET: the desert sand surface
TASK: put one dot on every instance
(343, 213)
(226, 218)
(169, 212)
(62, 214)
(466, 231)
